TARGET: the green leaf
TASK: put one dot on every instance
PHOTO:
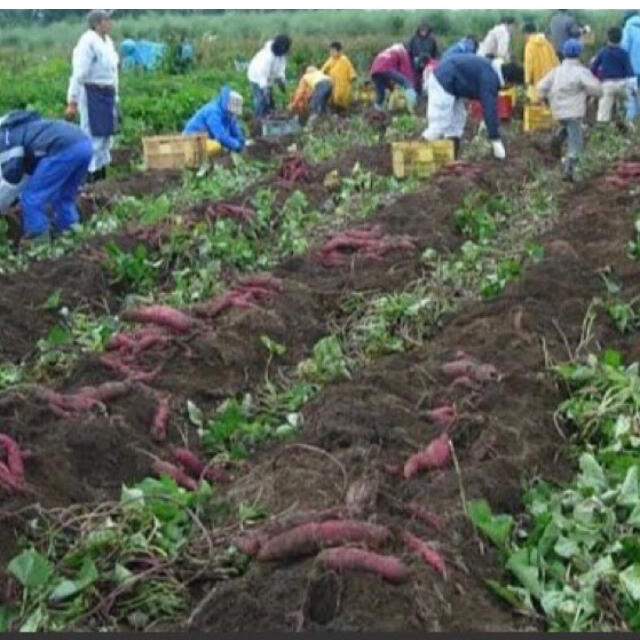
(196, 417)
(592, 475)
(526, 573)
(630, 581)
(517, 598)
(54, 301)
(87, 575)
(249, 513)
(496, 528)
(612, 358)
(36, 621)
(629, 495)
(31, 569)
(58, 336)
(566, 547)
(121, 574)
(274, 348)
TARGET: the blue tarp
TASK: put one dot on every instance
(142, 54)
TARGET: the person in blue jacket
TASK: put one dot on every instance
(631, 44)
(468, 44)
(49, 160)
(467, 76)
(219, 120)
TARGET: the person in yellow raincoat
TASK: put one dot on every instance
(313, 93)
(539, 58)
(339, 68)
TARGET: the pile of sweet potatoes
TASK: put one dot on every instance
(294, 169)
(624, 174)
(188, 469)
(338, 250)
(235, 212)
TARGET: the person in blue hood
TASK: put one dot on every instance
(45, 162)
(631, 44)
(219, 120)
(468, 44)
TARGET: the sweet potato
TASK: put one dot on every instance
(162, 468)
(160, 420)
(465, 382)
(435, 456)
(458, 368)
(429, 555)
(348, 559)
(162, 316)
(13, 456)
(418, 512)
(8, 481)
(128, 371)
(265, 281)
(192, 464)
(308, 538)
(443, 416)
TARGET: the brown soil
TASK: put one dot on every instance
(352, 427)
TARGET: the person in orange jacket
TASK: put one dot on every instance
(313, 93)
(539, 58)
(339, 68)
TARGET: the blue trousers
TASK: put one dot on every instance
(320, 97)
(262, 101)
(633, 106)
(381, 80)
(55, 184)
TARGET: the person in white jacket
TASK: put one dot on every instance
(266, 69)
(497, 43)
(93, 89)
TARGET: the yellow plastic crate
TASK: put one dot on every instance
(414, 159)
(397, 100)
(366, 94)
(537, 118)
(443, 151)
(174, 152)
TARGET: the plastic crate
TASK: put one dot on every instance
(397, 100)
(276, 127)
(505, 108)
(174, 152)
(444, 152)
(537, 118)
(412, 159)
(366, 94)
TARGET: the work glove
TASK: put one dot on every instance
(498, 149)
(412, 97)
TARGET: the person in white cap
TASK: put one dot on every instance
(93, 89)
(219, 119)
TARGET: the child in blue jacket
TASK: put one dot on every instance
(219, 120)
(612, 66)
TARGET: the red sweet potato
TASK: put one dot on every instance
(464, 381)
(121, 342)
(160, 420)
(162, 468)
(435, 456)
(162, 316)
(13, 456)
(307, 539)
(348, 559)
(429, 555)
(128, 371)
(418, 512)
(108, 391)
(261, 280)
(192, 464)
(458, 368)
(443, 416)
(8, 481)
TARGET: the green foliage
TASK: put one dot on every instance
(133, 268)
(479, 216)
(327, 362)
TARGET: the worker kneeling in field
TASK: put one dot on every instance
(45, 162)
(339, 68)
(566, 88)
(393, 66)
(219, 120)
(313, 93)
(467, 76)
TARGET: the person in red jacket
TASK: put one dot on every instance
(393, 66)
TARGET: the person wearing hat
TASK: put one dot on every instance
(563, 26)
(93, 89)
(422, 48)
(468, 77)
(566, 88)
(219, 120)
(313, 92)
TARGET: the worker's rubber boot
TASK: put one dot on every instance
(557, 140)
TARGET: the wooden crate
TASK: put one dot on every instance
(537, 118)
(412, 159)
(174, 152)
